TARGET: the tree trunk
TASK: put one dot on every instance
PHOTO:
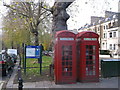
(60, 16)
(36, 38)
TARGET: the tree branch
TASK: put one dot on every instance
(15, 10)
(45, 17)
(47, 9)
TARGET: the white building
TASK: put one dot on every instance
(108, 29)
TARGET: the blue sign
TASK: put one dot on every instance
(33, 51)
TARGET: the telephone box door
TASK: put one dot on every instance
(88, 58)
(65, 58)
(91, 62)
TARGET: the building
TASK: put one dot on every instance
(108, 29)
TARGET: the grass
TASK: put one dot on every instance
(46, 61)
(33, 74)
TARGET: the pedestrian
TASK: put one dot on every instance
(41, 50)
(42, 47)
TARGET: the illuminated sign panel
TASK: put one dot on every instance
(66, 38)
(91, 39)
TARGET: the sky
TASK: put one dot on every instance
(82, 10)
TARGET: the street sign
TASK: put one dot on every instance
(32, 51)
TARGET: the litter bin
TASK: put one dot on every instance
(110, 67)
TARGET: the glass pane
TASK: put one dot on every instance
(90, 60)
(70, 73)
(67, 60)
(90, 47)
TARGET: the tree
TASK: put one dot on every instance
(15, 30)
(60, 16)
(33, 13)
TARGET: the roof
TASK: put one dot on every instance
(87, 34)
(64, 33)
(95, 20)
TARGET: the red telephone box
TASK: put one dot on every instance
(65, 57)
(88, 56)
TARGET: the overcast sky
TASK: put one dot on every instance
(88, 8)
(82, 10)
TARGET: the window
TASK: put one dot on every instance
(110, 46)
(110, 25)
(114, 34)
(110, 34)
(104, 27)
(114, 47)
(104, 35)
(103, 44)
(98, 28)
(66, 60)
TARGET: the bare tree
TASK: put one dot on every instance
(33, 13)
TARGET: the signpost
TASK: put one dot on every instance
(33, 52)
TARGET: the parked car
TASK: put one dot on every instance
(104, 52)
(3, 66)
(6, 63)
(13, 57)
(46, 53)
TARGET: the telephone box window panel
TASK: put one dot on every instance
(90, 60)
(66, 60)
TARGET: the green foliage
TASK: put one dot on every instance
(21, 23)
(16, 31)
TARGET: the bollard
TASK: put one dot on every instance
(20, 82)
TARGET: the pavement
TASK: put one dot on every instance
(104, 83)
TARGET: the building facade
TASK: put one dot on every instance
(108, 29)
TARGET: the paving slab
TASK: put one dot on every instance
(39, 84)
(29, 85)
(47, 84)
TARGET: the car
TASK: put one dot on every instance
(6, 64)
(105, 52)
(3, 66)
(13, 57)
(46, 53)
